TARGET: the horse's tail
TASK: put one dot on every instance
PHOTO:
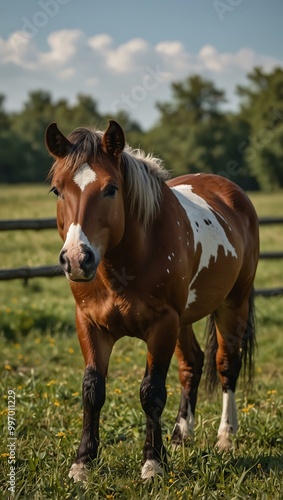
(210, 371)
(249, 343)
(247, 349)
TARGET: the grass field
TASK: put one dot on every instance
(42, 365)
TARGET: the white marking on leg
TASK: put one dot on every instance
(78, 472)
(207, 230)
(229, 422)
(186, 425)
(150, 468)
(84, 176)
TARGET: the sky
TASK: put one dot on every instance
(126, 54)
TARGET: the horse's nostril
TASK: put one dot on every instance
(89, 257)
(64, 261)
(88, 262)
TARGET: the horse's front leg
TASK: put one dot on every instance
(96, 348)
(161, 342)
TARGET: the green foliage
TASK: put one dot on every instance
(23, 154)
(262, 111)
(202, 137)
(193, 132)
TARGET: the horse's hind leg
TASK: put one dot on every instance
(190, 359)
(230, 324)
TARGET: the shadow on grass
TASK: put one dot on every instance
(20, 325)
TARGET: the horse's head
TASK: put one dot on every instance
(87, 181)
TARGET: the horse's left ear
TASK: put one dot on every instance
(56, 143)
(113, 140)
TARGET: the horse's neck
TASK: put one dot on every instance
(131, 250)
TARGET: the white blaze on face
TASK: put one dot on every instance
(84, 176)
(207, 230)
(73, 245)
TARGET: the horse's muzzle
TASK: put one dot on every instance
(79, 265)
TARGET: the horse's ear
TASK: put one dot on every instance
(113, 140)
(56, 143)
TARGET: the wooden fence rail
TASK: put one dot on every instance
(11, 225)
(51, 271)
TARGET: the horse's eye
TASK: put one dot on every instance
(55, 191)
(110, 191)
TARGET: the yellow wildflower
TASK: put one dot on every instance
(51, 382)
(61, 434)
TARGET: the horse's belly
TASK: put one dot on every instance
(208, 290)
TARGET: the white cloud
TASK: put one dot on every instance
(128, 57)
(64, 45)
(101, 42)
(131, 76)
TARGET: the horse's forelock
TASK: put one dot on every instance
(85, 144)
(142, 173)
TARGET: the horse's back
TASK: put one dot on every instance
(225, 198)
(218, 192)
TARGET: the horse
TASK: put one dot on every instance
(147, 256)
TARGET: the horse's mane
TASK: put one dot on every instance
(142, 173)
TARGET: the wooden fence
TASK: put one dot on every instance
(51, 271)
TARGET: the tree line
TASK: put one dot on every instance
(193, 133)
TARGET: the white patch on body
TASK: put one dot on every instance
(229, 422)
(206, 229)
(74, 239)
(150, 468)
(84, 176)
(78, 472)
(192, 297)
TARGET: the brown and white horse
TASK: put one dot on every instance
(146, 257)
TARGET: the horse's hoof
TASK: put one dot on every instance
(224, 444)
(151, 468)
(78, 472)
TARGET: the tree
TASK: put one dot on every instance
(195, 135)
(262, 111)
